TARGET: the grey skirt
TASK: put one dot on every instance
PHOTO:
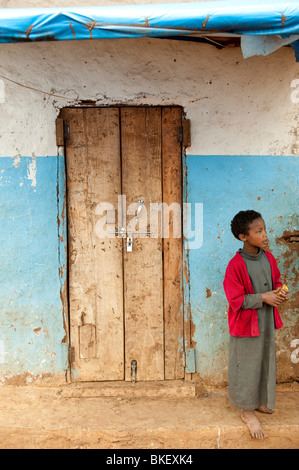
(252, 366)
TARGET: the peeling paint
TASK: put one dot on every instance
(16, 160)
(208, 293)
(31, 172)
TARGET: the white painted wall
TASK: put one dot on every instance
(236, 106)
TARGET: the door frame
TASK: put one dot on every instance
(62, 132)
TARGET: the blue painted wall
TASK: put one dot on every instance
(225, 185)
(32, 328)
(33, 334)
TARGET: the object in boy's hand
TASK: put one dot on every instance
(284, 287)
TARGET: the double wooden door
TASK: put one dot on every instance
(125, 286)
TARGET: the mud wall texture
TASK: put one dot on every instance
(244, 119)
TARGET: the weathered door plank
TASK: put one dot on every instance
(143, 270)
(172, 245)
(95, 274)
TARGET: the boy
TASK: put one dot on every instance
(252, 284)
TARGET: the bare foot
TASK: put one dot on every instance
(264, 409)
(254, 426)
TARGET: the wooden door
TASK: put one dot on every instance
(124, 305)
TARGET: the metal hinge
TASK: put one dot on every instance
(184, 133)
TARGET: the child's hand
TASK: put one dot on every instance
(271, 297)
(283, 290)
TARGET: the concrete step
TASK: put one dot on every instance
(83, 416)
(157, 389)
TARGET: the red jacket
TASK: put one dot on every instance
(244, 322)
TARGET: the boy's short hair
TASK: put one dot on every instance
(242, 220)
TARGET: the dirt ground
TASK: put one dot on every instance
(98, 417)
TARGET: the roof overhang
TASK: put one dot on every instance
(263, 26)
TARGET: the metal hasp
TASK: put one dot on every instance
(136, 219)
(133, 370)
(141, 202)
